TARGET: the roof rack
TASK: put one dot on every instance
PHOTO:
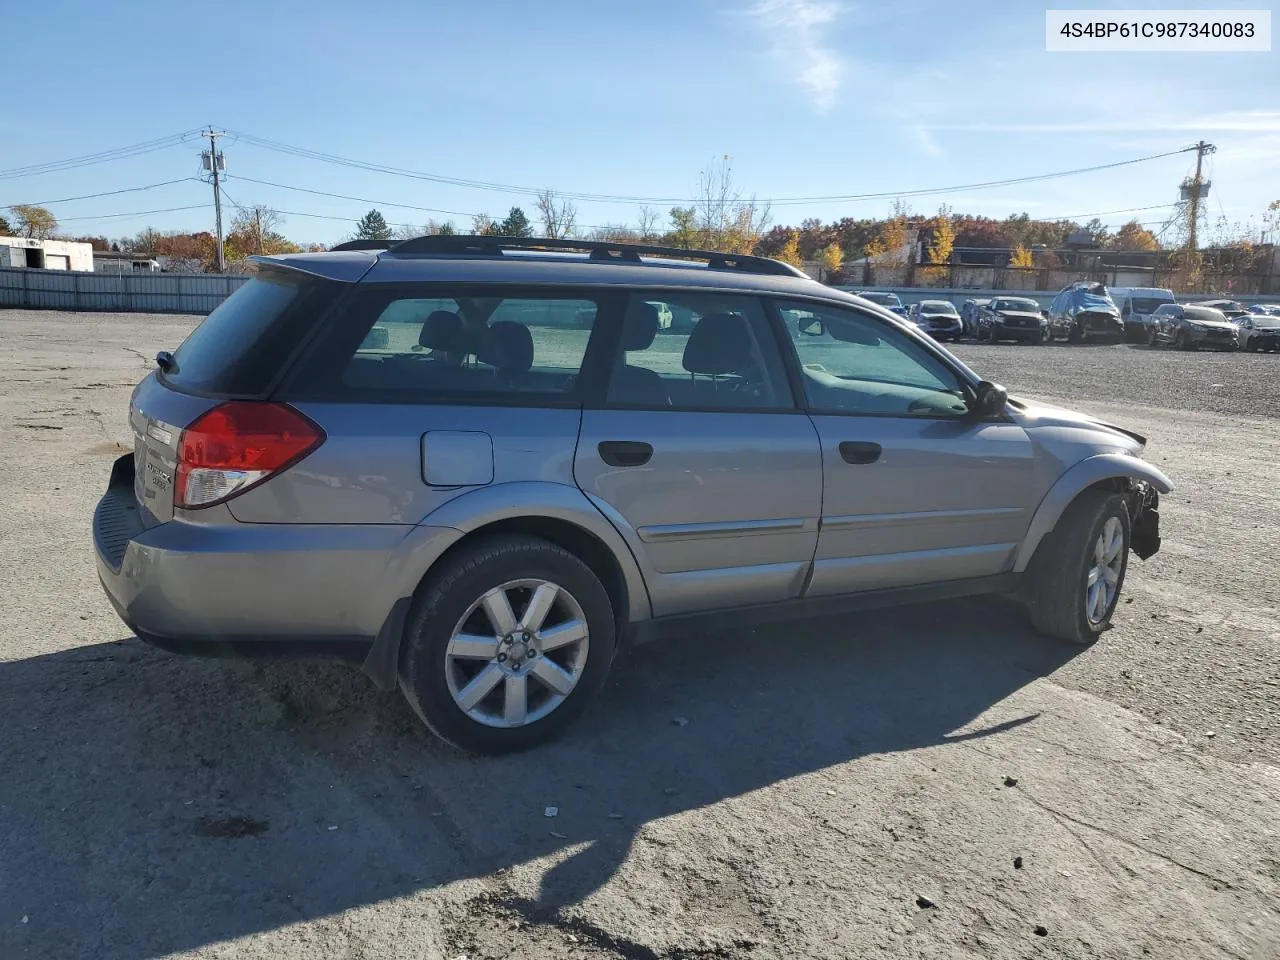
(364, 245)
(597, 250)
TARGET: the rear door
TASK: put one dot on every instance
(915, 490)
(696, 451)
(428, 391)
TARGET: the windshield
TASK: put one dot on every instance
(1205, 315)
(1146, 304)
(1017, 303)
(1266, 323)
(939, 307)
(883, 299)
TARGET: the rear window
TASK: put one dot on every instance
(240, 347)
(399, 346)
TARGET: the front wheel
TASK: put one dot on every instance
(1075, 334)
(1153, 339)
(1078, 569)
(508, 644)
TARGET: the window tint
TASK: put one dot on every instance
(468, 344)
(241, 346)
(854, 364)
(697, 351)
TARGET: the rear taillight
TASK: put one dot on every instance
(237, 445)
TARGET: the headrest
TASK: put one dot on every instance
(719, 344)
(639, 326)
(509, 347)
(443, 330)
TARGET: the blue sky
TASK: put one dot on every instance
(808, 98)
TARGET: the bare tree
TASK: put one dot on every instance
(481, 224)
(559, 217)
(614, 233)
(649, 223)
(726, 219)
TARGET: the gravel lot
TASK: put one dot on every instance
(934, 782)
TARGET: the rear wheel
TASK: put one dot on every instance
(508, 645)
(1078, 570)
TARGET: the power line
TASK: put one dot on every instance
(343, 196)
(112, 193)
(103, 156)
(135, 213)
(623, 198)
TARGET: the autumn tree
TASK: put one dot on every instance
(943, 240)
(1134, 236)
(684, 228)
(1021, 258)
(832, 259)
(790, 252)
(256, 230)
(5, 229)
(559, 217)
(726, 219)
(481, 225)
(32, 221)
(893, 238)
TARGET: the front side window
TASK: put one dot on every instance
(465, 344)
(697, 351)
(853, 364)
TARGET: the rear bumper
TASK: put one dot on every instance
(255, 589)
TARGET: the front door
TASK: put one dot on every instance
(915, 490)
(698, 455)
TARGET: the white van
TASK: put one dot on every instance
(1137, 304)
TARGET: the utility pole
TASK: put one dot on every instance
(214, 163)
(1196, 191)
(257, 225)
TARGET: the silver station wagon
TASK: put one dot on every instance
(479, 466)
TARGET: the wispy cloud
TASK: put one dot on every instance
(927, 142)
(794, 29)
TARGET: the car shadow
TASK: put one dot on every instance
(154, 804)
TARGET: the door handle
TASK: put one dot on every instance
(625, 453)
(859, 451)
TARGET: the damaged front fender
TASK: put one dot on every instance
(1142, 484)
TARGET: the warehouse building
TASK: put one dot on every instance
(45, 254)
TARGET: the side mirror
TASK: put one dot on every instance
(990, 399)
(1045, 314)
(811, 327)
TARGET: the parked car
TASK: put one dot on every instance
(938, 318)
(970, 310)
(1259, 332)
(1231, 309)
(484, 529)
(1265, 309)
(1192, 326)
(1013, 318)
(1137, 304)
(890, 301)
(1082, 312)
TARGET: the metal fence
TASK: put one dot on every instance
(124, 292)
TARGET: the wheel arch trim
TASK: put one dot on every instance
(1081, 476)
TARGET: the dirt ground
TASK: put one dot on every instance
(931, 782)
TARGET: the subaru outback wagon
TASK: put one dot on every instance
(524, 470)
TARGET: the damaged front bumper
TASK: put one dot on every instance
(1144, 519)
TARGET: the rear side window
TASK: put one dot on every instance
(240, 347)
(399, 345)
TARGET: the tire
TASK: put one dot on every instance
(1152, 339)
(1058, 576)
(1075, 334)
(433, 674)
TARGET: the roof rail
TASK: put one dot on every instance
(597, 250)
(364, 245)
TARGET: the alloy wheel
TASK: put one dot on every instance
(1103, 578)
(517, 653)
